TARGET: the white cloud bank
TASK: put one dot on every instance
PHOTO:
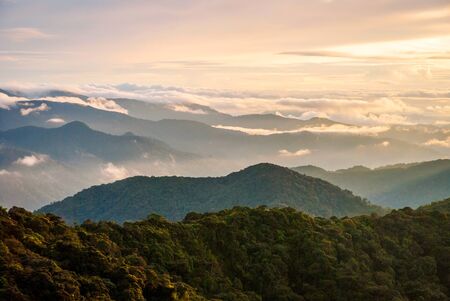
(34, 92)
(100, 103)
(185, 109)
(335, 128)
(366, 108)
(31, 160)
(299, 153)
(7, 101)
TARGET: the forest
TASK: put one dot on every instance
(235, 254)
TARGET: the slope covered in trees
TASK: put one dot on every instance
(239, 254)
(393, 186)
(441, 206)
(173, 197)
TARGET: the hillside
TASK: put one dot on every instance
(391, 186)
(173, 197)
(76, 139)
(237, 255)
(441, 206)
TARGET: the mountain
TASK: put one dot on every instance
(205, 114)
(181, 111)
(393, 186)
(43, 165)
(330, 149)
(76, 139)
(275, 122)
(239, 254)
(173, 197)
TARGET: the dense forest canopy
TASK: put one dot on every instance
(237, 254)
(173, 197)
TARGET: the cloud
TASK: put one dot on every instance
(113, 172)
(100, 103)
(105, 104)
(187, 109)
(442, 122)
(56, 120)
(7, 101)
(335, 128)
(369, 108)
(28, 111)
(7, 173)
(4, 172)
(22, 34)
(32, 160)
(304, 115)
(39, 91)
(299, 153)
(439, 143)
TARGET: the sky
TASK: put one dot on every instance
(391, 58)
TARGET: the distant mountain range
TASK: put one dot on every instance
(205, 114)
(75, 139)
(393, 186)
(327, 148)
(173, 197)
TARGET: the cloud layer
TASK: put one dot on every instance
(364, 108)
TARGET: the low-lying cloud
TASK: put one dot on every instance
(34, 92)
(31, 160)
(56, 121)
(298, 153)
(186, 109)
(7, 101)
(335, 128)
(100, 103)
(27, 111)
(113, 172)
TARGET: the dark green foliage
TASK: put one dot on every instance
(238, 254)
(174, 197)
(41, 258)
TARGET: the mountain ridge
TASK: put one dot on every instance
(262, 184)
(394, 186)
(74, 139)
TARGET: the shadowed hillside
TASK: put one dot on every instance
(393, 186)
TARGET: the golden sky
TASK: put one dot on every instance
(286, 45)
